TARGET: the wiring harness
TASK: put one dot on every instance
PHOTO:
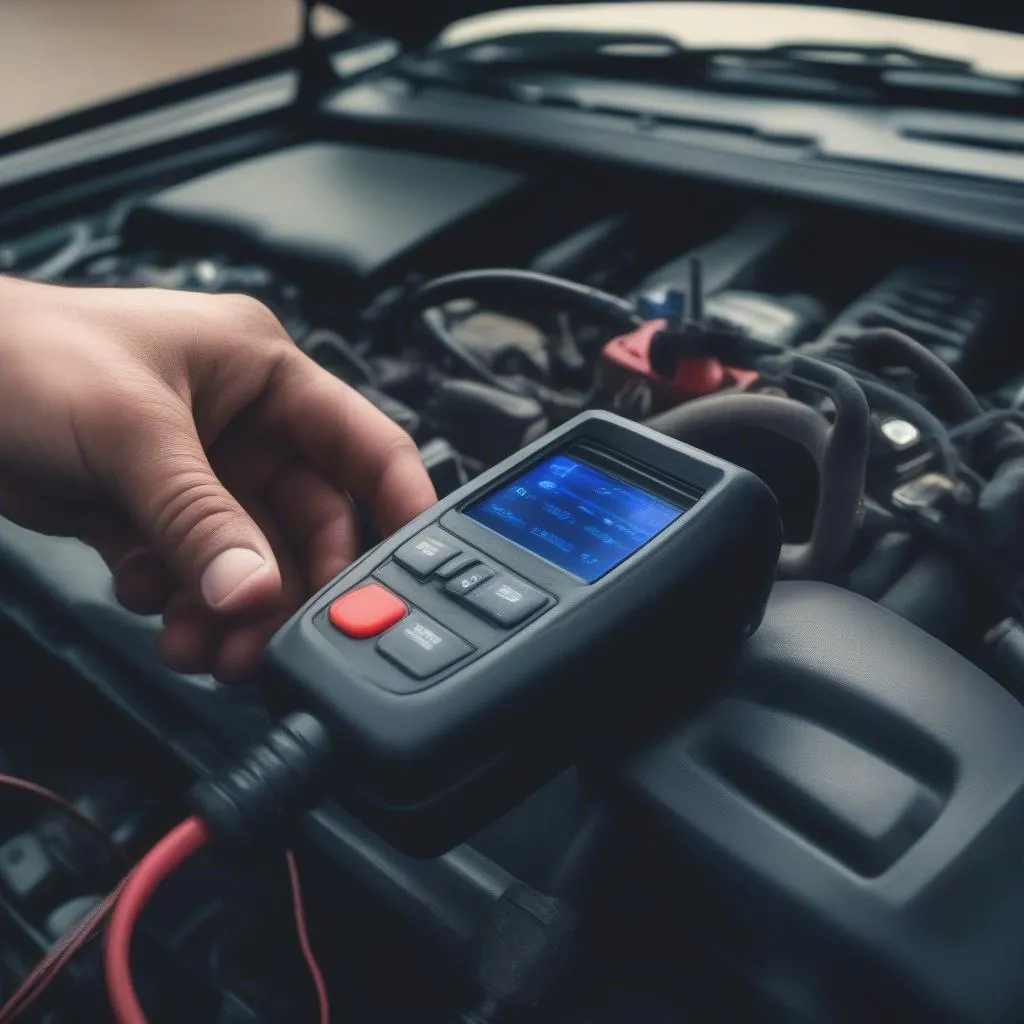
(255, 802)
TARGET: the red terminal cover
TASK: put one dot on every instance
(627, 356)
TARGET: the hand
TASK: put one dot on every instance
(206, 458)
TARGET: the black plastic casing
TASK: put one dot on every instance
(844, 821)
(427, 769)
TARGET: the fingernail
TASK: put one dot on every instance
(227, 573)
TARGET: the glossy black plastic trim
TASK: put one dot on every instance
(964, 203)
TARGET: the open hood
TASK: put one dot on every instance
(414, 23)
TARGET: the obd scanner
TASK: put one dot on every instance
(524, 621)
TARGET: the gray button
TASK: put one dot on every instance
(421, 646)
(472, 577)
(425, 553)
(506, 600)
(456, 565)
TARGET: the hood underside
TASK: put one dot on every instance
(421, 22)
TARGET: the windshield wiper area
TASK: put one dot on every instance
(850, 74)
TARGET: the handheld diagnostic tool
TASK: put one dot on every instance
(469, 657)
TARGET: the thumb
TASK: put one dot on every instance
(208, 541)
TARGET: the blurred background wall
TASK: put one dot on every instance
(56, 55)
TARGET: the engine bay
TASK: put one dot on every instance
(480, 306)
(336, 239)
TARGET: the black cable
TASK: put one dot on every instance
(991, 416)
(897, 347)
(962, 536)
(71, 251)
(1009, 444)
(913, 411)
(48, 798)
(434, 321)
(338, 346)
(973, 556)
(501, 286)
(505, 284)
(560, 403)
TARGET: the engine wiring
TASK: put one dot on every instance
(258, 797)
(67, 808)
(305, 946)
(894, 348)
(39, 979)
(425, 306)
(182, 842)
(407, 346)
(173, 850)
(41, 976)
(865, 355)
(124, 904)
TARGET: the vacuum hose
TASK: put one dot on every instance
(839, 452)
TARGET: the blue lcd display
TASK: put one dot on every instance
(573, 515)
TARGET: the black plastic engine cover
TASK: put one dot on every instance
(337, 209)
(846, 821)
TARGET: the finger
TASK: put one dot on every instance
(352, 443)
(112, 534)
(149, 454)
(317, 521)
(190, 637)
(238, 654)
(192, 634)
(239, 649)
(141, 581)
(194, 640)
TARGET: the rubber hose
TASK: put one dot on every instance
(839, 453)
(842, 470)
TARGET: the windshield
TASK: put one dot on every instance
(715, 25)
(57, 56)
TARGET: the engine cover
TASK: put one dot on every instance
(846, 820)
(326, 207)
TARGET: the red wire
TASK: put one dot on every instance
(175, 848)
(51, 963)
(128, 900)
(46, 970)
(304, 944)
(65, 806)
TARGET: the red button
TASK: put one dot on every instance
(366, 611)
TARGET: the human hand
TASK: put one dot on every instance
(206, 458)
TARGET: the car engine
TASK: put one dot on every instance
(867, 369)
(343, 242)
